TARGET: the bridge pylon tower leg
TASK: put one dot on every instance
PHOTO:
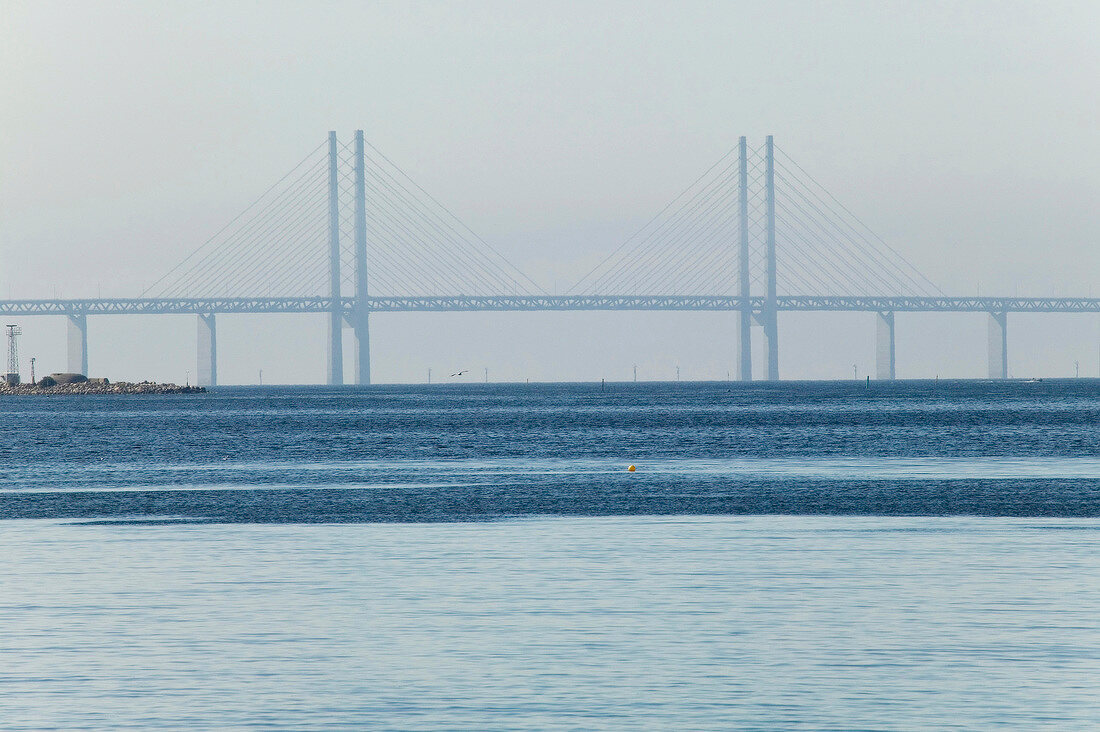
(361, 316)
(78, 343)
(207, 367)
(744, 345)
(998, 345)
(884, 347)
(335, 355)
(771, 309)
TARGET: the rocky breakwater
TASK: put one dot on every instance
(62, 384)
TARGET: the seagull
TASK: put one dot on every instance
(460, 373)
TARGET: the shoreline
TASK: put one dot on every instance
(91, 388)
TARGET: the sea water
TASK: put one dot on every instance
(477, 557)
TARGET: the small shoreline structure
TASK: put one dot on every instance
(78, 384)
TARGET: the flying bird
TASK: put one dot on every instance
(460, 373)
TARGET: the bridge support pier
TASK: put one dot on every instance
(884, 347)
(771, 344)
(998, 345)
(744, 345)
(78, 344)
(334, 356)
(207, 369)
(361, 328)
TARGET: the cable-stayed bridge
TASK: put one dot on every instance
(347, 234)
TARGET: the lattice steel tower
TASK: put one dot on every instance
(12, 376)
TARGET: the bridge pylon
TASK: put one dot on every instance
(361, 315)
(335, 360)
(771, 309)
(744, 346)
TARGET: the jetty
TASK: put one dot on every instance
(76, 384)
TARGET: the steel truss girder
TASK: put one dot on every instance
(480, 303)
(796, 303)
(166, 306)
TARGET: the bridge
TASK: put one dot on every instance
(754, 220)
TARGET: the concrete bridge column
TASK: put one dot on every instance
(771, 314)
(771, 343)
(744, 331)
(361, 323)
(78, 344)
(998, 345)
(744, 345)
(884, 347)
(335, 355)
(207, 351)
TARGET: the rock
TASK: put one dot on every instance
(50, 385)
(67, 378)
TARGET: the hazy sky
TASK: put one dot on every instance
(965, 134)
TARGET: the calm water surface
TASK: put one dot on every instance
(792, 556)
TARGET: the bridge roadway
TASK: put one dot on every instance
(502, 303)
(347, 311)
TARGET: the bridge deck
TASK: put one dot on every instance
(501, 303)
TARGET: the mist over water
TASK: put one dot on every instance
(135, 132)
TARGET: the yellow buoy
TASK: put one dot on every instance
(631, 468)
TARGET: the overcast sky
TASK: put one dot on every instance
(967, 135)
